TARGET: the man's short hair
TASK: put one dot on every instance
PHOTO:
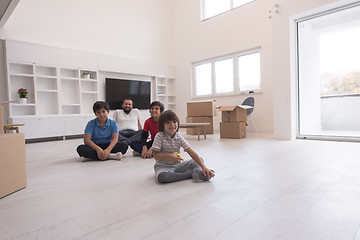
(157, 103)
(167, 116)
(99, 105)
(127, 99)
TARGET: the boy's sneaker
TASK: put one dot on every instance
(116, 156)
(136, 154)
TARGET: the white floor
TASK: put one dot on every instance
(263, 189)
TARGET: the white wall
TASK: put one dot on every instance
(171, 33)
(135, 29)
(240, 29)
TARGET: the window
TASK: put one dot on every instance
(219, 76)
(203, 76)
(212, 8)
(249, 72)
(224, 77)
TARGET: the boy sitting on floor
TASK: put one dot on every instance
(101, 136)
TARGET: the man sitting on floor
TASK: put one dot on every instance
(128, 121)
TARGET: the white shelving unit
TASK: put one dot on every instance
(164, 91)
(59, 99)
(60, 95)
(52, 90)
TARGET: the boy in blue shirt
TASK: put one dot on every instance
(101, 136)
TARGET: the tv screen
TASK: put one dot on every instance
(118, 89)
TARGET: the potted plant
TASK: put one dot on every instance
(86, 75)
(23, 95)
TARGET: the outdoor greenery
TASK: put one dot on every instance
(348, 83)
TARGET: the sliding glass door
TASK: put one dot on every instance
(329, 74)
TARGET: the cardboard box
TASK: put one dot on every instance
(236, 113)
(208, 129)
(12, 163)
(201, 108)
(232, 129)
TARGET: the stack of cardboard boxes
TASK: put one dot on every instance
(200, 112)
(233, 123)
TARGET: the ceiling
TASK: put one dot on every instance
(6, 8)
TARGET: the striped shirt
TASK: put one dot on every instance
(164, 143)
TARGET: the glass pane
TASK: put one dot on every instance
(339, 53)
(329, 74)
(224, 76)
(238, 3)
(249, 72)
(203, 79)
(215, 7)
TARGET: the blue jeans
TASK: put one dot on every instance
(137, 146)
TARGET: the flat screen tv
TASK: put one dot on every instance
(117, 90)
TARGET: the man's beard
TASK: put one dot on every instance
(127, 110)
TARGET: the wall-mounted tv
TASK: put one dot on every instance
(117, 90)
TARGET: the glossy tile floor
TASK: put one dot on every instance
(263, 189)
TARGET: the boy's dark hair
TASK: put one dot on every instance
(99, 105)
(157, 103)
(167, 116)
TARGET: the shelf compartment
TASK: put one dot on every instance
(47, 103)
(89, 86)
(22, 69)
(17, 82)
(22, 109)
(69, 73)
(87, 102)
(45, 71)
(69, 92)
(161, 81)
(71, 109)
(45, 83)
(93, 74)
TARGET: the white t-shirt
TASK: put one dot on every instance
(127, 121)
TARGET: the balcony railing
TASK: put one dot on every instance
(340, 112)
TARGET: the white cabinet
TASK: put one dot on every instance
(164, 91)
(41, 127)
(76, 125)
(52, 126)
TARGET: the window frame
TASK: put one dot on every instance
(232, 6)
(238, 76)
(236, 84)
